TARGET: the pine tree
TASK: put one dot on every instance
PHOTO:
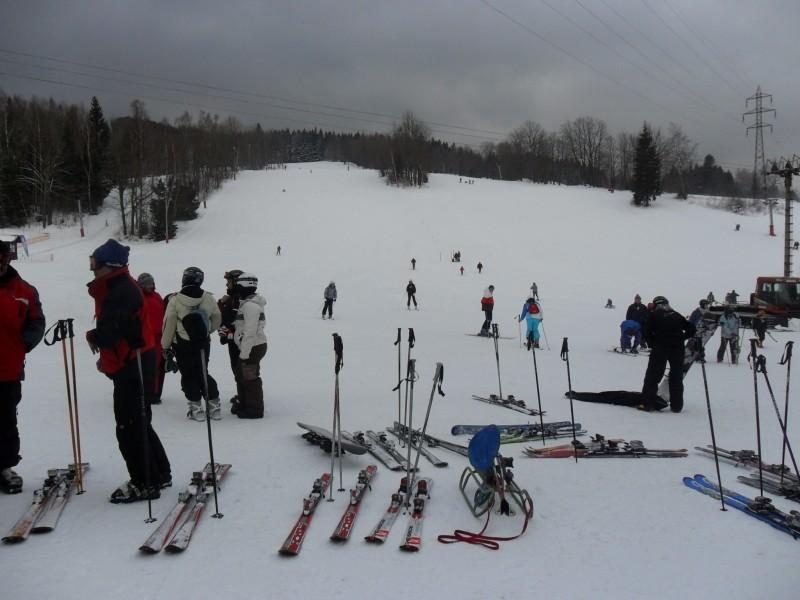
(99, 155)
(646, 169)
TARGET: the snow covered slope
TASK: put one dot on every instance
(602, 529)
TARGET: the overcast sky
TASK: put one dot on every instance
(473, 69)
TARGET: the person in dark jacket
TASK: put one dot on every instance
(123, 338)
(330, 295)
(666, 332)
(697, 313)
(229, 307)
(759, 323)
(411, 290)
(638, 312)
(21, 329)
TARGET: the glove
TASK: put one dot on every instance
(90, 339)
(170, 364)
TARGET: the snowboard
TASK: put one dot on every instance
(348, 444)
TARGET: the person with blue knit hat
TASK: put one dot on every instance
(127, 347)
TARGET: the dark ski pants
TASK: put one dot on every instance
(656, 365)
(191, 368)
(487, 322)
(161, 372)
(10, 396)
(249, 385)
(328, 307)
(723, 343)
(411, 298)
(130, 428)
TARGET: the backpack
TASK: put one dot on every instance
(196, 324)
(533, 308)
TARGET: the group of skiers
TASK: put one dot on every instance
(531, 313)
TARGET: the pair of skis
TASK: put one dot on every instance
(175, 531)
(750, 460)
(48, 504)
(384, 449)
(760, 508)
(401, 431)
(601, 447)
(412, 538)
(787, 488)
(294, 541)
(508, 402)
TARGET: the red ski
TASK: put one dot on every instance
(345, 526)
(291, 547)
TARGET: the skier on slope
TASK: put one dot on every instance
(411, 291)
(330, 296)
(532, 314)
(638, 312)
(487, 306)
(534, 291)
(630, 331)
(124, 340)
(251, 343)
(154, 307)
(228, 307)
(21, 329)
(729, 324)
(698, 312)
(191, 315)
(666, 332)
(480, 267)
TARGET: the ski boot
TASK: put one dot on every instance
(215, 409)
(10, 481)
(196, 411)
(131, 492)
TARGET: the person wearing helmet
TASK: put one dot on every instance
(251, 343)
(729, 324)
(330, 296)
(191, 315)
(228, 305)
(697, 313)
(154, 307)
(666, 332)
(411, 291)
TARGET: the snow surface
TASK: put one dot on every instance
(602, 528)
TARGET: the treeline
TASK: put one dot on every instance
(59, 159)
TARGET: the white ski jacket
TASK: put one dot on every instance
(249, 325)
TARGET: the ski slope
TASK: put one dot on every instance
(601, 529)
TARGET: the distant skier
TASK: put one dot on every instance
(191, 315)
(666, 331)
(609, 304)
(411, 290)
(278, 253)
(251, 343)
(532, 314)
(710, 298)
(732, 297)
(480, 267)
(330, 296)
(729, 324)
(759, 323)
(154, 307)
(638, 312)
(413, 264)
(487, 306)
(535, 291)
(697, 313)
(461, 270)
(630, 336)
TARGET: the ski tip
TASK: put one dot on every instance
(148, 550)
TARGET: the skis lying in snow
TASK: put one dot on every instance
(324, 439)
(204, 493)
(527, 435)
(599, 446)
(506, 429)
(629, 353)
(435, 442)
(177, 515)
(401, 432)
(490, 336)
(48, 503)
(345, 526)
(761, 508)
(413, 535)
(380, 439)
(749, 459)
(293, 543)
(381, 531)
(788, 489)
(378, 451)
(509, 402)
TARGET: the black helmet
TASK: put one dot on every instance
(233, 274)
(192, 276)
(247, 282)
(703, 303)
(660, 302)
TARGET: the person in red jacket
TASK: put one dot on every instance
(124, 339)
(21, 329)
(154, 307)
(487, 306)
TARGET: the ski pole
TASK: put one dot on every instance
(538, 392)
(399, 374)
(204, 367)
(787, 360)
(544, 333)
(438, 378)
(145, 439)
(338, 348)
(495, 337)
(411, 375)
(701, 358)
(61, 333)
(565, 358)
(411, 341)
(761, 366)
(79, 465)
(519, 329)
(752, 358)
(336, 445)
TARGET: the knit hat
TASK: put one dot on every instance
(146, 280)
(111, 254)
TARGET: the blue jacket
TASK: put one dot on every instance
(630, 325)
(526, 310)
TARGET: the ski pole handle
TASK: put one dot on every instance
(338, 349)
(397, 341)
(565, 350)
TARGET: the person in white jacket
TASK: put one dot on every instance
(190, 317)
(251, 341)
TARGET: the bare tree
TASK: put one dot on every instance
(584, 138)
(677, 154)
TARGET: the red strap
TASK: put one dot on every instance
(479, 539)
